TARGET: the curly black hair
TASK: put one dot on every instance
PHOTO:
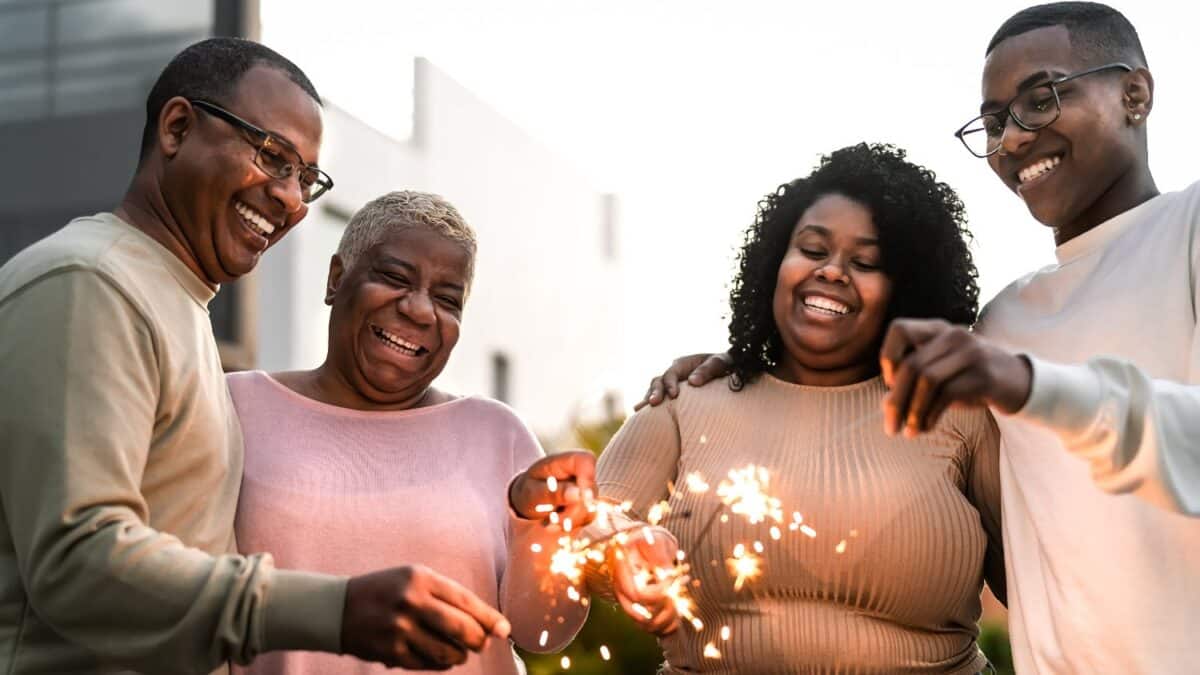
(922, 234)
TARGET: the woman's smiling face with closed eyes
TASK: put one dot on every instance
(831, 295)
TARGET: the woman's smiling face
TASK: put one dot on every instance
(397, 313)
(831, 295)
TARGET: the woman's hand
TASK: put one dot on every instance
(637, 584)
(563, 484)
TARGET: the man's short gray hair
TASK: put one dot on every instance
(398, 211)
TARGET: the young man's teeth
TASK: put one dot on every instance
(1033, 171)
(827, 305)
(262, 225)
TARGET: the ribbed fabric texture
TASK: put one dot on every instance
(348, 492)
(913, 520)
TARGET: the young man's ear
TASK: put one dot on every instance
(1138, 95)
(336, 270)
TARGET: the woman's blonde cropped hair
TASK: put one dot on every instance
(399, 211)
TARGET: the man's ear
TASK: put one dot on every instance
(176, 120)
(1138, 92)
(336, 270)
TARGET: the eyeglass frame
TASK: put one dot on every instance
(1008, 112)
(323, 180)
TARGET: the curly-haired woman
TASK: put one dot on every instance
(892, 538)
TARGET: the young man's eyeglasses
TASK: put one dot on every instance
(1032, 109)
(275, 156)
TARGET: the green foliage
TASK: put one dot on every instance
(993, 640)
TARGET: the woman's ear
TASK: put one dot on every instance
(336, 270)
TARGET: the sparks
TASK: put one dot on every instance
(658, 512)
(641, 611)
(552, 484)
(543, 638)
(745, 494)
(725, 632)
(841, 547)
(604, 653)
(775, 533)
(808, 531)
(711, 651)
(744, 566)
(566, 663)
(695, 483)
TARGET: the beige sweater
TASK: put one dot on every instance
(120, 472)
(920, 522)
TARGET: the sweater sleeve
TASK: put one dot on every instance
(642, 459)
(983, 490)
(529, 593)
(1141, 436)
(79, 406)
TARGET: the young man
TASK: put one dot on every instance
(122, 457)
(1093, 361)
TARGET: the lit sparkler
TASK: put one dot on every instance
(745, 566)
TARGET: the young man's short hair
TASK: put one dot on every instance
(209, 70)
(1099, 33)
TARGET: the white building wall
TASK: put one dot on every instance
(547, 286)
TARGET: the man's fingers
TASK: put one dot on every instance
(922, 373)
(430, 651)
(450, 623)
(903, 335)
(654, 395)
(456, 595)
(671, 383)
(714, 367)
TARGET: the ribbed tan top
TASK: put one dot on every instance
(918, 518)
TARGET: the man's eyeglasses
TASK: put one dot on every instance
(1032, 109)
(275, 156)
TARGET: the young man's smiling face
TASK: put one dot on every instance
(1085, 167)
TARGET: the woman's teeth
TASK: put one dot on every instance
(826, 305)
(397, 343)
(256, 221)
(1038, 169)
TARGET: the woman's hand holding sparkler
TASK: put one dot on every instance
(645, 579)
(558, 489)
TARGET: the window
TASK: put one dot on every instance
(501, 377)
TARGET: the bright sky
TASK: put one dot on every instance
(692, 110)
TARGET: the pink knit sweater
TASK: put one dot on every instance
(347, 492)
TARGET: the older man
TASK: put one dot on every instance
(122, 457)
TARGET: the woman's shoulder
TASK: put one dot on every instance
(484, 409)
(972, 425)
(244, 383)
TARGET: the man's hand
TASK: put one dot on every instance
(572, 475)
(930, 364)
(645, 550)
(697, 369)
(415, 618)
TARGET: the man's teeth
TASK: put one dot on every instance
(826, 305)
(1037, 169)
(397, 343)
(261, 224)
